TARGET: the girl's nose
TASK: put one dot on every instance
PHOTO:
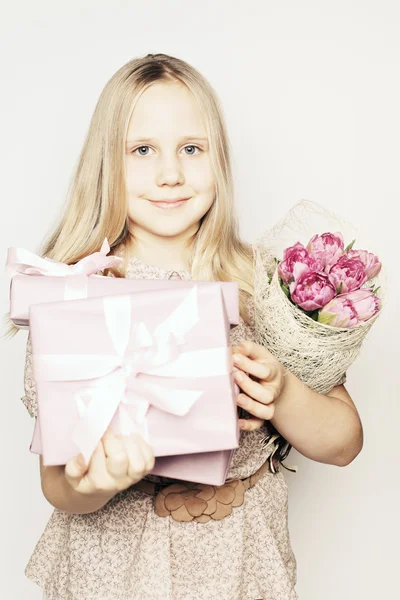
(170, 171)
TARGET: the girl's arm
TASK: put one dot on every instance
(57, 490)
(326, 428)
(116, 464)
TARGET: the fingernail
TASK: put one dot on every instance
(237, 358)
(238, 376)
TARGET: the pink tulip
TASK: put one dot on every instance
(365, 302)
(347, 274)
(347, 310)
(296, 261)
(326, 248)
(339, 312)
(370, 261)
(312, 291)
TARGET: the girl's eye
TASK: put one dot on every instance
(145, 154)
(192, 147)
(140, 148)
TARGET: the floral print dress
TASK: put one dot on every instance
(124, 551)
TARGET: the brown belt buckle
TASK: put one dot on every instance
(199, 502)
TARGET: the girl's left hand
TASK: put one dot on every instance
(261, 377)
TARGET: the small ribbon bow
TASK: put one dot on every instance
(22, 261)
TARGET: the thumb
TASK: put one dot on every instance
(75, 469)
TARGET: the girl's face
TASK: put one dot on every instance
(167, 159)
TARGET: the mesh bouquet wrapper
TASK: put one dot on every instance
(318, 354)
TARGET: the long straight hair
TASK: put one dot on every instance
(97, 205)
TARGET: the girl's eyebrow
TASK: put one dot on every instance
(149, 139)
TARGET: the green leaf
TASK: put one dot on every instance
(339, 289)
(326, 318)
(285, 290)
(349, 247)
(378, 288)
(314, 315)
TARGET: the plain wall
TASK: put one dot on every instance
(311, 95)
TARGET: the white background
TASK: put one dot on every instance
(311, 95)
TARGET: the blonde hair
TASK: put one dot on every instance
(97, 204)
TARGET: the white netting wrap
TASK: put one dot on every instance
(319, 355)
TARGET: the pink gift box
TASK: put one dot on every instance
(203, 467)
(35, 279)
(210, 467)
(157, 363)
(27, 290)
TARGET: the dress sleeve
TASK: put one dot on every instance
(29, 399)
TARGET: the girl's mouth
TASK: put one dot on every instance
(169, 205)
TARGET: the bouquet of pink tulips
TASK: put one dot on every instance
(314, 306)
(329, 282)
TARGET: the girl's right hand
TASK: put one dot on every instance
(117, 463)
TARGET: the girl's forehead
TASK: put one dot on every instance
(166, 110)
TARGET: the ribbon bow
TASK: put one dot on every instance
(114, 378)
(24, 262)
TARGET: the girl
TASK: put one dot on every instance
(154, 177)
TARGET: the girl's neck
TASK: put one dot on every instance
(163, 254)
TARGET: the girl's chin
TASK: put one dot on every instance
(166, 227)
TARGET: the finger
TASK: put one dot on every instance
(85, 483)
(116, 458)
(147, 452)
(264, 393)
(252, 350)
(137, 464)
(110, 441)
(261, 411)
(97, 475)
(251, 424)
(75, 469)
(261, 369)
